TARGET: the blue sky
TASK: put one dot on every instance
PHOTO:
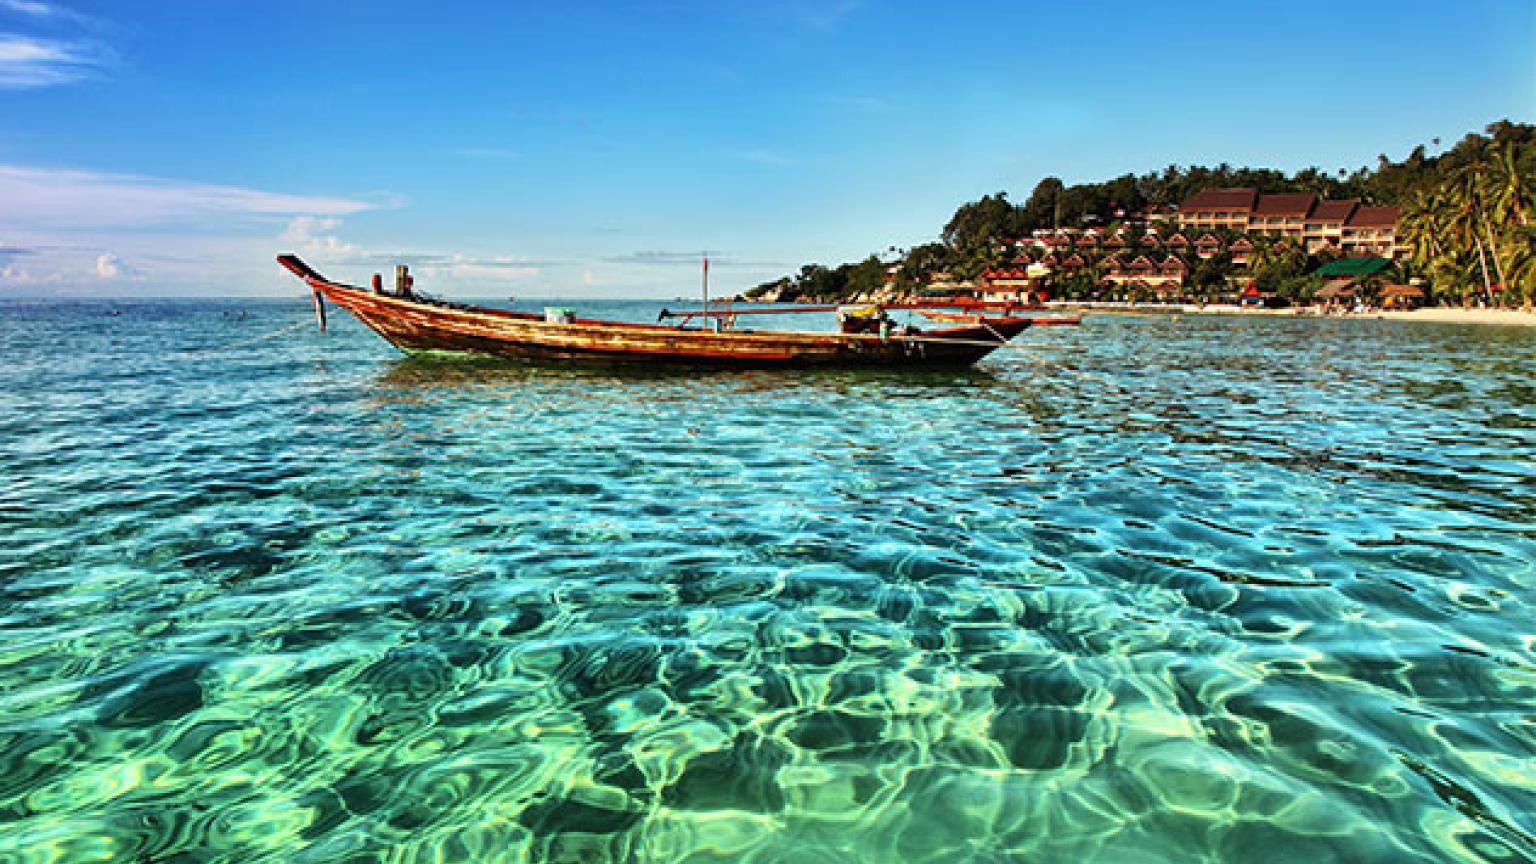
(593, 149)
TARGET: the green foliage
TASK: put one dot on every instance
(817, 283)
(1467, 219)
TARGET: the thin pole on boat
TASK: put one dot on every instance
(705, 320)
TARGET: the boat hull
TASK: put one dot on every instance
(418, 326)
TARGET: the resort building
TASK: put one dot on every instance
(1319, 225)
(1371, 231)
(1325, 225)
(1004, 285)
(1219, 208)
(1285, 215)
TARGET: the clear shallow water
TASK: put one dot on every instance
(1153, 590)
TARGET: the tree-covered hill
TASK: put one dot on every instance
(1466, 219)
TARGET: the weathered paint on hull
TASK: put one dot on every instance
(415, 326)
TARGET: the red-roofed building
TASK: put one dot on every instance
(1003, 284)
(1241, 249)
(1177, 242)
(1326, 223)
(1145, 273)
(1219, 208)
(1207, 246)
(1316, 223)
(1285, 215)
(1371, 231)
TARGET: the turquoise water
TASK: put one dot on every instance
(1152, 589)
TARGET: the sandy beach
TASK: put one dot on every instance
(1434, 315)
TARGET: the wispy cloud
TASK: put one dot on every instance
(825, 15)
(861, 103)
(758, 156)
(657, 257)
(38, 197)
(487, 153)
(693, 259)
(498, 269)
(27, 61)
(312, 234)
(27, 7)
(821, 16)
(62, 265)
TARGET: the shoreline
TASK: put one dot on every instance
(1432, 315)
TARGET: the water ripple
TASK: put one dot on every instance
(1154, 589)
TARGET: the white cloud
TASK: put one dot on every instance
(27, 61)
(28, 7)
(41, 197)
(109, 266)
(494, 268)
(307, 232)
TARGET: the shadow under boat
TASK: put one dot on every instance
(439, 371)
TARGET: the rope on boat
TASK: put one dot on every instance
(192, 352)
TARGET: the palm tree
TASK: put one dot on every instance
(1464, 197)
(1511, 188)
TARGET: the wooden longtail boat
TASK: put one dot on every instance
(973, 318)
(416, 324)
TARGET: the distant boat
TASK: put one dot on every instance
(416, 324)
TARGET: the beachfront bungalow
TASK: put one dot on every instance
(1241, 249)
(944, 283)
(1003, 285)
(1089, 241)
(1401, 297)
(1177, 243)
(1219, 208)
(1207, 246)
(1150, 240)
(1142, 268)
(1115, 241)
(1173, 267)
(1074, 263)
(1333, 296)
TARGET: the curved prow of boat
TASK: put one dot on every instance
(417, 324)
(297, 267)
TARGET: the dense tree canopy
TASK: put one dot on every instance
(1467, 218)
